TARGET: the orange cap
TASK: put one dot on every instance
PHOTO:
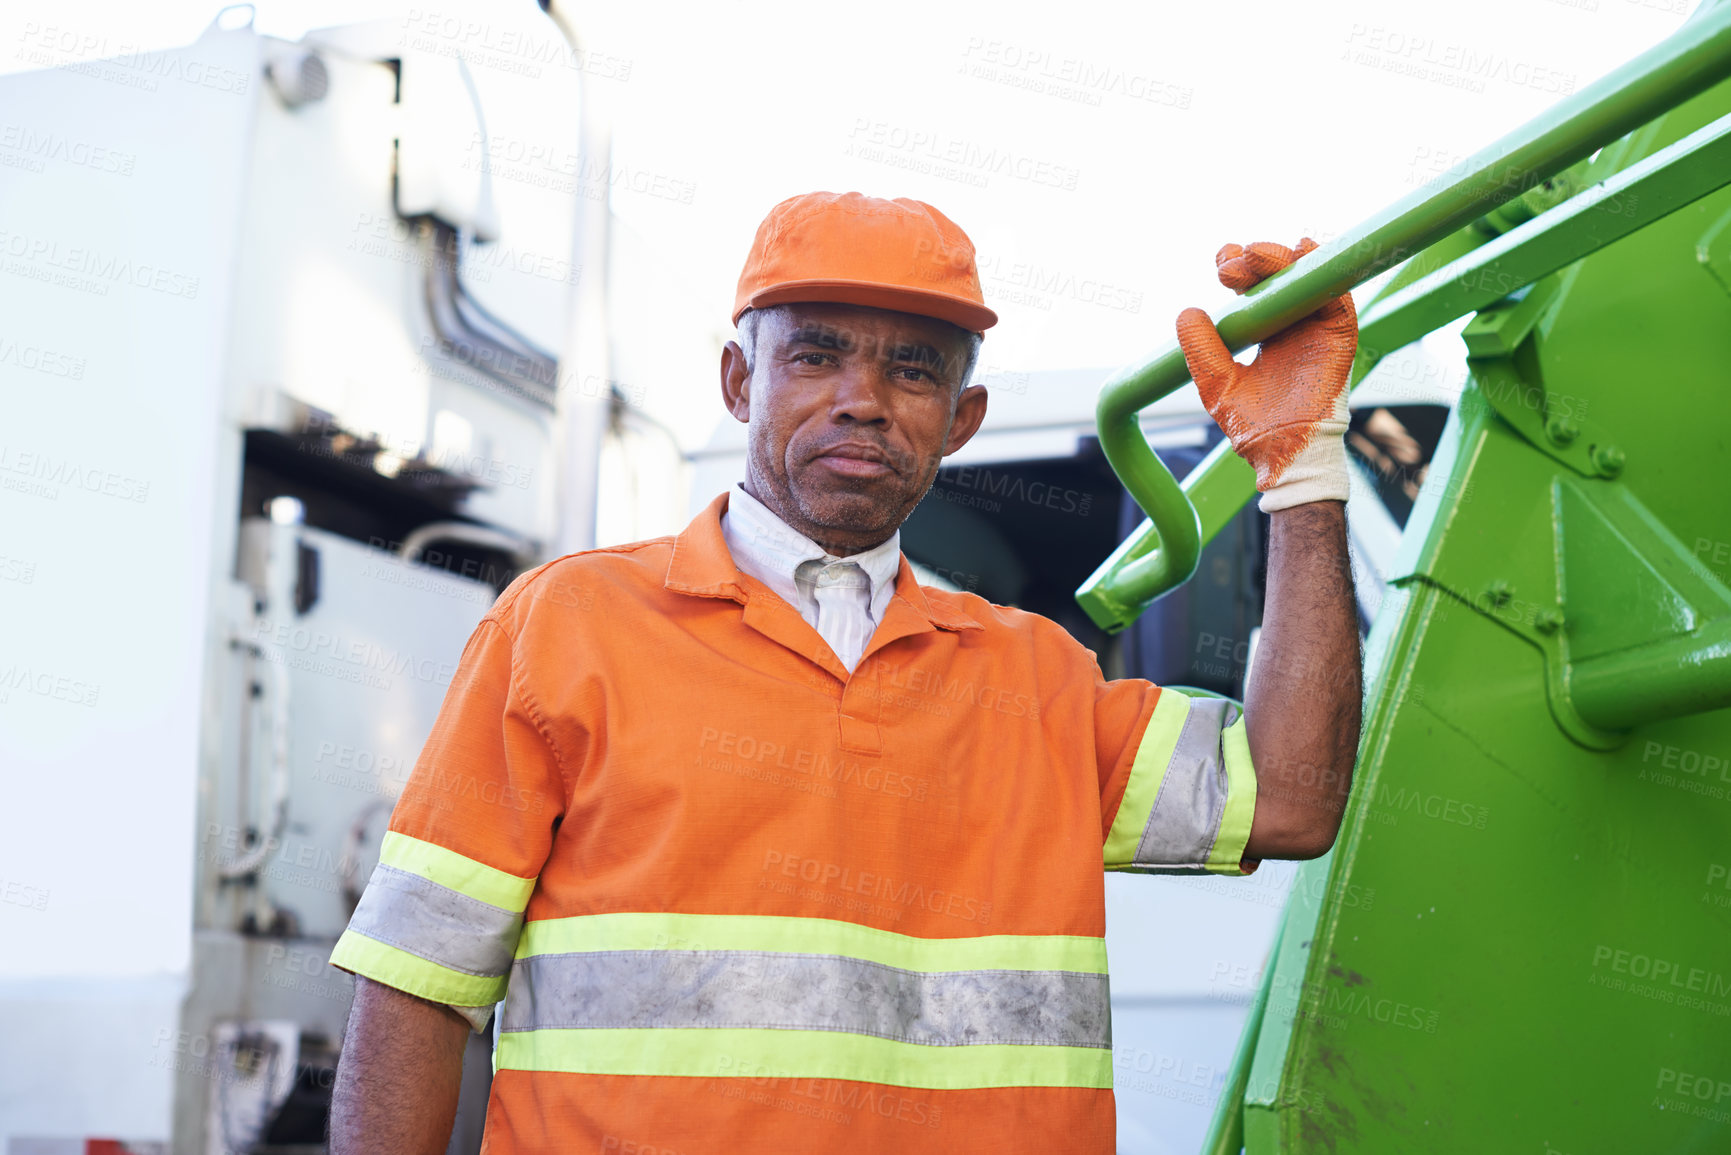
(852, 249)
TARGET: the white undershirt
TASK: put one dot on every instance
(843, 599)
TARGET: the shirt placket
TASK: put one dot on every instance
(843, 594)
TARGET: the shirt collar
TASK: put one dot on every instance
(702, 566)
(771, 551)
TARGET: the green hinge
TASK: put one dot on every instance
(1632, 626)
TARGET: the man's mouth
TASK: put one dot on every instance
(853, 459)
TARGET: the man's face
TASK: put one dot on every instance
(851, 411)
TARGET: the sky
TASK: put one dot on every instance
(1097, 154)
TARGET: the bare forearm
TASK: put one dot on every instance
(397, 1080)
(1302, 703)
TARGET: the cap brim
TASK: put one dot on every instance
(970, 315)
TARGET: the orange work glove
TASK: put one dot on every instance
(1285, 413)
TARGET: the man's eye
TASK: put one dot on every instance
(909, 373)
(813, 358)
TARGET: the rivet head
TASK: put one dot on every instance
(1498, 593)
(1608, 459)
(1561, 430)
(1548, 621)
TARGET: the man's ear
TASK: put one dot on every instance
(735, 382)
(970, 411)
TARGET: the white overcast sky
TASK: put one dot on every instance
(1177, 127)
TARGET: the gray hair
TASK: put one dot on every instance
(746, 335)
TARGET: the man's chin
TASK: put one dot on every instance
(862, 509)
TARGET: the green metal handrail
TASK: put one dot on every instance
(1162, 554)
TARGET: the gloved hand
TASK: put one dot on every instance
(1285, 413)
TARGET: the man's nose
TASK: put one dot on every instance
(859, 395)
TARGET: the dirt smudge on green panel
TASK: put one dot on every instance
(1350, 977)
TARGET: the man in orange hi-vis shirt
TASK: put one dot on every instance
(683, 813)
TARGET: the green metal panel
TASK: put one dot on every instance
(1543, 801)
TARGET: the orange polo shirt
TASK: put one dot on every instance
(736, 898)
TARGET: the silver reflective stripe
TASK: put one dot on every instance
(436, 923)
(1186, 815)
(650, 988)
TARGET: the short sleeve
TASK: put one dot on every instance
(1177, 787)
(442, 912)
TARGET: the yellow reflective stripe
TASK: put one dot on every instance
(826, 936)
(751, 1053)
(461, 874)
(1154, 754)
(361, 955)
(1229, 844)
